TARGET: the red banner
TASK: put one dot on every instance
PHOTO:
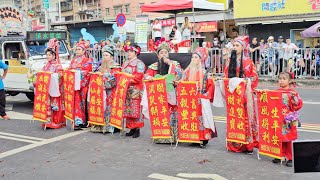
(96, 100)
(158, 108)
(188, 115)
(69, 85)
(270, 123)
(237, 118)
(207, 27)
(41, 101)
(117, 110)
(168, 22)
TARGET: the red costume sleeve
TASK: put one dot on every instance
(299, 103)
(139, 73)
(150, 72)
(254, 76)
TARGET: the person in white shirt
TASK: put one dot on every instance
(177, 36)
(288, 54)
(156, 30)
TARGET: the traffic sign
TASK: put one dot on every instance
(46, 4)
(121, 19)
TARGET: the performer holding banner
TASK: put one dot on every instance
(240, 66)
(82, 66)
(132, 112)
(108, 70)
(292, 103)
(172, 71)
(195, 73)
(49, 84)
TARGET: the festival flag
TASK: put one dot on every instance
(270, 123)
(96, 102)
(188, 112)
(41, 101)
(69, 92)
(237, 117)
(158, 108)
(118, 102)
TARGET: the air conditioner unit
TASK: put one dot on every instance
(42, 20)
(49, 21)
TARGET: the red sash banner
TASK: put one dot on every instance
(69, 92)
(188, 115)
(41, 101)
(158, 108)
(270, 123)
(237, 118)
(118, 102)
(96, 100)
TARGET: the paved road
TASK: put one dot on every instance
(28, 152)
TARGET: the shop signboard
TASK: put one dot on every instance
(206, 26)
(141, 33)
(265, 8)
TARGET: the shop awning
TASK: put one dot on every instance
(313, 31)
(178, 6)
(37, 27)
(278, 19)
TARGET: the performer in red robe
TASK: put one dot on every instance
(109, 69)
(165, 66)
(241, 66)
(132, 112)
(56, 109)
(292, 103)
(195, 72)
(84, 64)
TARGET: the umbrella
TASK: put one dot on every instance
(313, 31)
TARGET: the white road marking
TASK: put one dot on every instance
(21, 136)
(310, 102)
(164, 177)
(47, 141)
(19, 116)
(201, 175)
(18, 139)
(9, 107)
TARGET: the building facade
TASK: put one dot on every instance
(287, 18)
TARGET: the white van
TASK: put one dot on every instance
(26, 56)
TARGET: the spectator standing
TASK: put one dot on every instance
(3, 114)
(254, 50)
(280, 52)
(272, 55)
(288, 54)
(186, 29)
(221, 36)
(157, 30)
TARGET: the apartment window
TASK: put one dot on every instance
(68, 18)
(117, 10)
(107, 11)
(127, 8)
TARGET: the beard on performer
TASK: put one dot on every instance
(163, 67)
(232, 64)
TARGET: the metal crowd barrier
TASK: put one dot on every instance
(304, 62)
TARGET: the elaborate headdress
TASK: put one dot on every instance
(163, 44)
(243, 40)
(108, 49)
(53, 45)
(83, 45)
(202, 53)
(134, 48)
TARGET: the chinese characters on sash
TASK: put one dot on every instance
(96, 105)
(158, 108)
(118, 102)
(237, 119)
(188, 115)
(68, 86)
(270, 123)
(41, 102)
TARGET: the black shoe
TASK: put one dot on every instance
(203, 144)
(132, 131)
(116, 130)
(85, 125)
(289, 163)
(136, 133)
(276, 161)
(249, 152)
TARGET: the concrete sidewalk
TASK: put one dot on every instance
(300, 82)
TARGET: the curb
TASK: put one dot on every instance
(300, 82)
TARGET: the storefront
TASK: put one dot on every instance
(287, 18)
